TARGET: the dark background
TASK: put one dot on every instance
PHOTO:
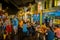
(12, 6)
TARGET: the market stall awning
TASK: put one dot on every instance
(56, 13)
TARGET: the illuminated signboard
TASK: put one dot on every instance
(58, 3)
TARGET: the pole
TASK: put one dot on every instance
(50, 4)
(46, 4)
(40, 11)
(0, 6)
(40, 17)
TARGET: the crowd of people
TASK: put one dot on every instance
(9, 27)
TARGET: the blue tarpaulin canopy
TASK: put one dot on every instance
(56, 13)
(51, 13)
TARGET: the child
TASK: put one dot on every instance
(15, 24)
(9, 28)
(25, 30)
(20, 24)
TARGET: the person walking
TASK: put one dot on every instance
(15, 24)
(1, 35)
(50, 34)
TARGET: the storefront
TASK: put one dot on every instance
(57, 2)
(55, 15)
